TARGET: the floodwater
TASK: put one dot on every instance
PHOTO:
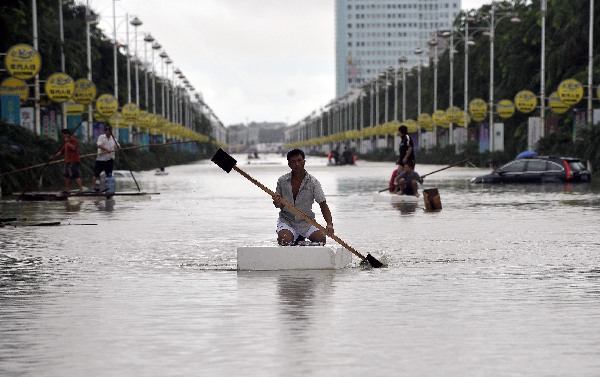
(504, 281)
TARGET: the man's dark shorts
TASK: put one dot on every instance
(103, 166)
(72, 170)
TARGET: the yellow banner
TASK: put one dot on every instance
(526, 101)
(15, 86)
(130, 112)
(107, 105)
(59, 87)
(440, 119)
(478, 109)
(454, 114)
(85, 91)
(570, 91)
(73, 108)
(505, 108)
(557, 106)
(23, 61)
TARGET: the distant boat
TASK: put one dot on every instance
(388, 197)
(54, 196)
(161, 171)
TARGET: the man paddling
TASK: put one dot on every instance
(301, 189)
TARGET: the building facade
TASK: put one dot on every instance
(371, 35)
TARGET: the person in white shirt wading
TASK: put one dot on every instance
(106, 155)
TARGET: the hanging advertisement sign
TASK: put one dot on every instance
(23, 61)
(505, 108)
(14, 86)
(425, 121)
(439, 118)
(557, 106)
(570, 91)
(478, 109)
(85, 91)
(130, 112)
(107, 105)
(59, 87)
(454, 114)
(526, 101)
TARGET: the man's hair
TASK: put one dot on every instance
(108, 128)
(65, 131)
(410, 163)
(295, 152)
(403, 130)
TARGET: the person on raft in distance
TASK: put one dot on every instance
(407, 181)
(301, 189)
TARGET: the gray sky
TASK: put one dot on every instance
(252, 60)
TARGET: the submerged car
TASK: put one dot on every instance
(538, 169)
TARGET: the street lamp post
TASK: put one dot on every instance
(403, 60)
(148, 39)
(136, 22)
(493, 22)
(543, 72)
(90, 20)
(163, 55)
(418, 51)
(434, 43)
(155, 46)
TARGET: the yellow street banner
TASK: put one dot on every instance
(454, 114)
(130, 112)
(59, 87)
(85, 91)
(439, 118)
(570, 91)
(478, 109)
(117, 120)
(107, 105)
(15, 86)
(23, 61)
(526, 101)
(74, 108)
(143, 120)
(557, 106)
(411, 125)
(505, 108)
(99, 117)
(425, 121)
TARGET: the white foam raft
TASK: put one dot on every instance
(388, 197)
(273, 258)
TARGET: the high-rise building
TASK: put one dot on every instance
(371, 35)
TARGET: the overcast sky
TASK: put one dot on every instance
(252, 60)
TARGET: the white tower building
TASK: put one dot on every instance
(372, 34)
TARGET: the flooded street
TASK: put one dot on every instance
(505, 280)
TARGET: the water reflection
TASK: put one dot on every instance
(406, 208)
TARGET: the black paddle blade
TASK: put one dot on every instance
(373, 262)
(224, 160)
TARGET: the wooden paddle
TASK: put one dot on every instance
(447, 167)
(226, 162)
(435, 171)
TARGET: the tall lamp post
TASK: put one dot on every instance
(403, 60)
(492, 23)
(90, 21)
(418, 51)
(136, 22)
(155, 46)
(434, 43)
(148, 39)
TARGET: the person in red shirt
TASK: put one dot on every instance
(70, 150)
